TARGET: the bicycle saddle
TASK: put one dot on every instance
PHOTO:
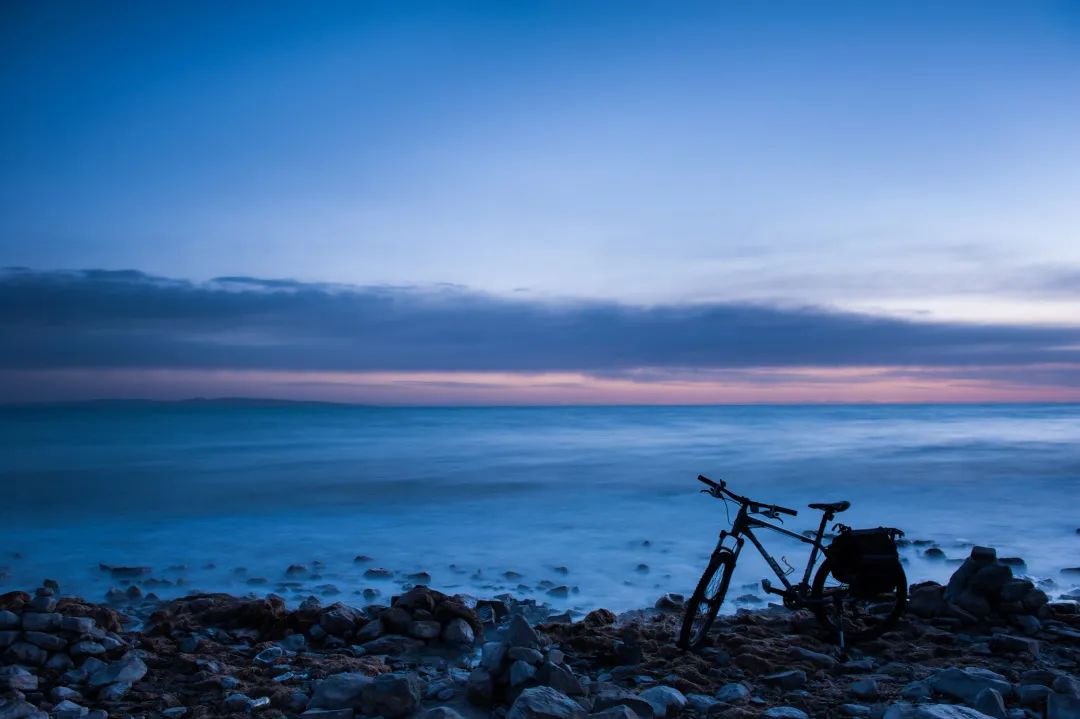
(831, 506)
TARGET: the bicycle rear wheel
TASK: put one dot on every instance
(864, 617)
(705, 602)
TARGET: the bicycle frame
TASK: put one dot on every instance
(743, 526)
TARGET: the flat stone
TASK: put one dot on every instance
(340, 691)
(329, 714)
(733, 693)
(48, 642)
(87, 648)
(789, 679)
(544, 703)
(965, 684)
(41, 621)
(665, 700)
(818, 659)
(1009, 644)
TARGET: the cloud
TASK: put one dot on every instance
(127, 319)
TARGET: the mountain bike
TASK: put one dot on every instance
(847, 615)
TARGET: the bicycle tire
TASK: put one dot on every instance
(867, 624)
(704, 603)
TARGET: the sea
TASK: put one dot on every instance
(579, 507)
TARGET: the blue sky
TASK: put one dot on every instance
(910, 160)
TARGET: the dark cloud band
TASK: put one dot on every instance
(94, 318)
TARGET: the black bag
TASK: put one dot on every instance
(866, 559)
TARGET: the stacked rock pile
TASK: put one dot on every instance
(983, 590)
(58, 654)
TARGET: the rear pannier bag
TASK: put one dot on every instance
(866, 560)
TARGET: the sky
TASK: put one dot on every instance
(509, 202)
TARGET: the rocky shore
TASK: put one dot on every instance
(987, 644)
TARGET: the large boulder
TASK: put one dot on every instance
(545, 703)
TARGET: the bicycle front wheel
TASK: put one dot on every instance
(864, 617)
(705, 603)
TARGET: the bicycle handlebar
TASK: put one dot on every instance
(721, 488)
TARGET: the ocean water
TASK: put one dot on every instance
(601, 500)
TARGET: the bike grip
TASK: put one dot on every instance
(702, 478)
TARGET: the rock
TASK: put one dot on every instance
(990, 703)
(790, 679)
(17, 709)
(1028, 624)
(785, 713)
(917, 690)
(525, 654)
(733, 693)
(114, 692)
(561, 679)
(8, 619)
(41, 621)
(927, 601)
(339, 620)
(665, 700)
(818, 659)
(427, 630)
(68, 709)
(340, 691)
(1009, 644)
(48, 642)
(480, 688)
(378, 573)
(932, 711)
(59, 663)
(1062, 706)
(1014, 591)
(544, 703)
(612, 697)
(966, 684)
(671, 602)
(458, 631)
(1032, 695)
(391, 644)
(15, 678)
(521, 672)
(26, 653)
(87, 649)
(492, 655)
(865, 689)
(293, 643)
(860, 711)
(368, 632)
(395, 620)
(128, 669)
(442, 713)
(617, 712)
(521, 634)
(392, 695)
(701, 704)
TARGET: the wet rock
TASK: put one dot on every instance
(48, 642)
(26, 653)
(824, 661)
(1032, 695)
(1062, 706)
(1009, 644)
(340, 691)
(665, 700)
(701, 703)
(785, 713)
(425, 630)
(671, 602)
(16, 678)
(114, 692)
(492, 655)
(458, 631)
(733, 693)
(990, 703)
(378, 573)
(521, 634)
(560, 678)
(77, 625)
(395, 620)
(966, 684)
(41, 621)
(18, 709)
(544, 703)
(339, 620)
(442, 713)
(789, 679)
(269, 655)
(128, 669)
(329, 714)
(480, 687)
(521, 672)
(616, 712)
(612, 697)
(865, 689)
(8, 619)
(393, 644)
(392, 695)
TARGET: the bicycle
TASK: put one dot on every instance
(844, 614)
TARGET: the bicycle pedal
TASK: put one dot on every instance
(768, 588)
